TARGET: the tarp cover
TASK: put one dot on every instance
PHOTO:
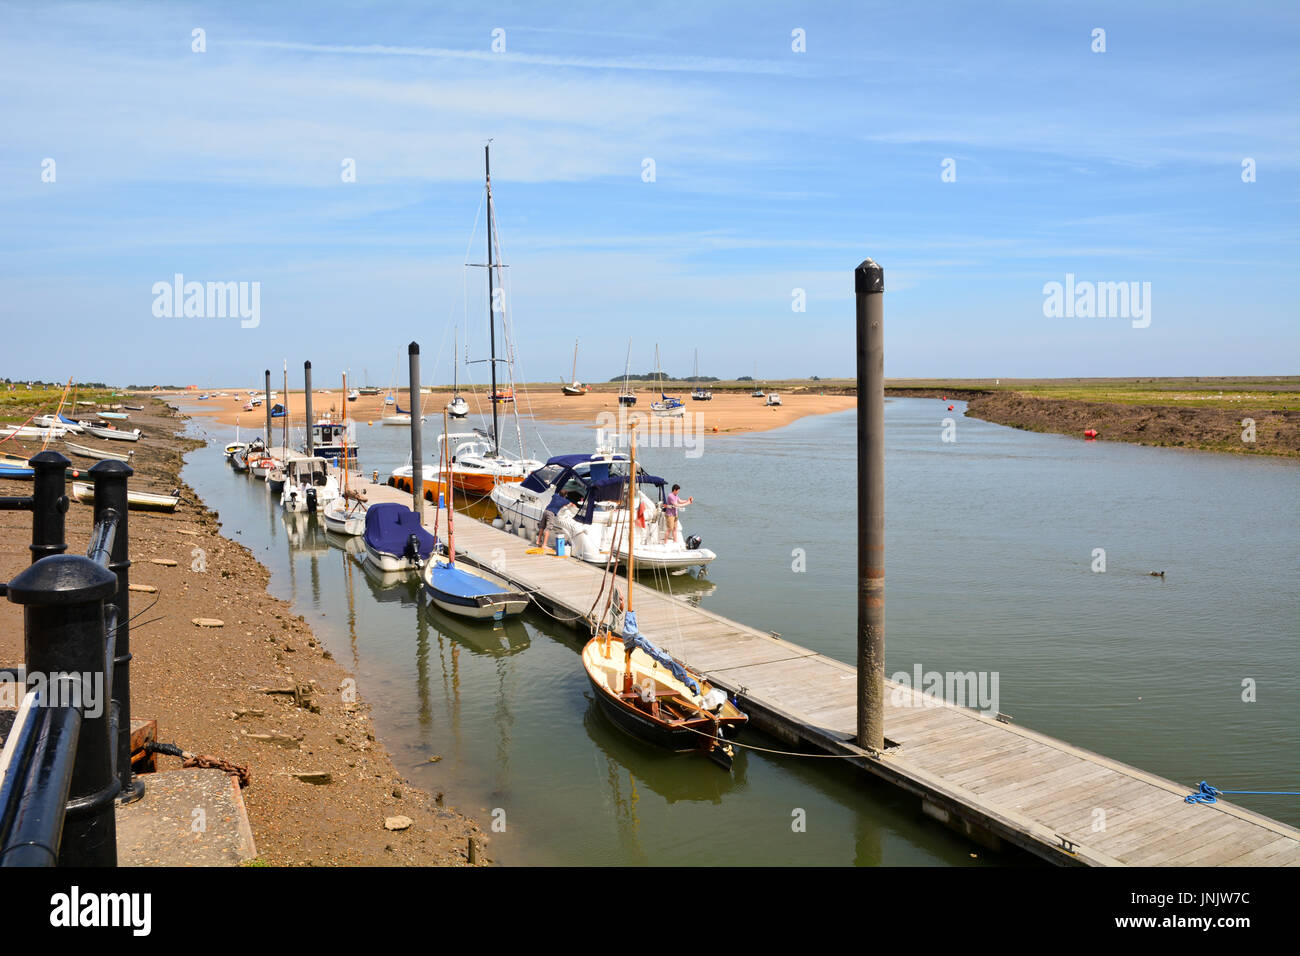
(457, 582)
(389, 525)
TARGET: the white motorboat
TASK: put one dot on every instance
(394, 538)
(353, 395)
(477, 466)
(773, 399)
(582, 495)
(308, 485)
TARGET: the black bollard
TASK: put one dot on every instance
(63, 634)
(49, 504)
(111, 497)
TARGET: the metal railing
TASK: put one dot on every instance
(67, 759)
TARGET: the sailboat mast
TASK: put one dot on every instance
(285, 430)
(575, 362)
(631, 520)
(492, 321)
(451, 503)
(345, 440)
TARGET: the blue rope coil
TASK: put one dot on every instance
(1208, 794)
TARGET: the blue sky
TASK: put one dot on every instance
(775, 170)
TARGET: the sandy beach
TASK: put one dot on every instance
(728, 413)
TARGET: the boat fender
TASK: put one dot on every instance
(693, 542)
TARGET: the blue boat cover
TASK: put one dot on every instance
(389, 526)
(456, 582)
(633, 638)
(611, 489)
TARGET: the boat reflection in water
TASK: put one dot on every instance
(658, 770)
(491, 639)
(690, 586)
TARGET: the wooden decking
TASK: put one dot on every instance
(991, 780)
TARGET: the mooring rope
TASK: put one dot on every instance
(1208, 794)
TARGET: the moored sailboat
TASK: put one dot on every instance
(648, 693)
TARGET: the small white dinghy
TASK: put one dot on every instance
(139, 500)
(84, 451)
(346, 515)
(117, 434)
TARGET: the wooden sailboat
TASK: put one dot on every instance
(648, 694)
(575, 387)
(476, 594)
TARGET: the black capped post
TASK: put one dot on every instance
(110, 479)
(869, 285)
(417, 450)
(306, 384)
(49, 504)
(66, 659)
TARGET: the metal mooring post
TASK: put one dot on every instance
(306, 380)
(869, 285)
(266, 400)
(417, 450)
(64, 645)
(110, 497)
(49, 504)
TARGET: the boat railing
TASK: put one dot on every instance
(67, 758)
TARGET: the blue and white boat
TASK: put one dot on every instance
(394, 538)
(471, 593)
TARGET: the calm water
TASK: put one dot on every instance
(989, 555)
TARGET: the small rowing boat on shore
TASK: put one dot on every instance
(117, 416)
(116, 434)
(84, 451)
(139, 500)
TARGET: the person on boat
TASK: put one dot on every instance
(670, 510)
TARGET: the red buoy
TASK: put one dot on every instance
(1090, 433)
(949, 408)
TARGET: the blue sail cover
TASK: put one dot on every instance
(389, 526)
(632, 638)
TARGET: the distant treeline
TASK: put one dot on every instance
(651, 376)
(36, 383)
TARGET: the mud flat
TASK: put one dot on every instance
(1209, 414)
(205, 686)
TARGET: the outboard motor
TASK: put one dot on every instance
(693, 542)
(412, 551)
(311, 500)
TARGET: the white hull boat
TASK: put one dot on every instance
(84, 451)
(345, 516)
(308, 485)
(33, 432)
(473, 593)
(581, 494)
(394, 538)
(140, 500)
(116, 434)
